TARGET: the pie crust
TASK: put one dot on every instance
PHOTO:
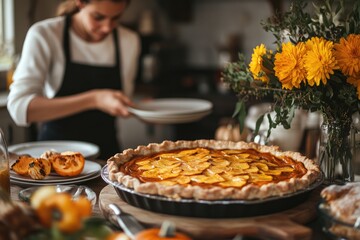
(212, 170)
(343, 203)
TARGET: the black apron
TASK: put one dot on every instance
(91, 126)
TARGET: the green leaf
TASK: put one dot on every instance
(271, 124)
(40, 235)
(240, 113)
(241, 118)
(238, 107)
(290, 117)
(56, 234)
(258, 124)
(277, 110)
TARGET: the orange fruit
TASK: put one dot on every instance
(21, 165)
(68, 164)
(117, 236)
(42, 193)
(154, 234)
(39, 168)
(59, 210)
(84, 206)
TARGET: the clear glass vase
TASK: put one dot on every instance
(337, 151)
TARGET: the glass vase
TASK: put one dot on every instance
(337, 151)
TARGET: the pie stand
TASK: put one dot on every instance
(285, 224)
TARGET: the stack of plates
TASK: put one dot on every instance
(35, 149)
(91, 170)
(172, 110)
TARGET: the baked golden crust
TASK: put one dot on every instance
(210, 188)
(343, 201)
(343, 204)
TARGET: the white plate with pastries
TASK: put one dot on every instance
(35, 149)
(90, 169)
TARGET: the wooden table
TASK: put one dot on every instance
(98, 184)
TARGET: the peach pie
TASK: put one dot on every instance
(212, 170)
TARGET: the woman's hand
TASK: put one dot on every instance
(109, 101)
(112, 102)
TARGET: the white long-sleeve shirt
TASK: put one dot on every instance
(42, 64)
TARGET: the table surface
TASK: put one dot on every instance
(98, 184)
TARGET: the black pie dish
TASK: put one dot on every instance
(207, 208)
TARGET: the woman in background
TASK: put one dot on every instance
(76, 74)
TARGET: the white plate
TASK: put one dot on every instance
(24, 183)
(91, 168)
(175, 120)
(172, 110)
(35, 149)
(170, 107)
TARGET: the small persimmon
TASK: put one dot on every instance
(41, 194)
(68, 164)
(21, 165)
(83, 206)
(154, 234)
(39, 168)
(61, 211)
(117, 236)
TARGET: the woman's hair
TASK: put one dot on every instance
(69, 7)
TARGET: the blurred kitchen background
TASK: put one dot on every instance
(185, 44)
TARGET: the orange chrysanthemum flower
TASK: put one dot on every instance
(320, 62)
(289, 65)
(256, 64)
(347, 53)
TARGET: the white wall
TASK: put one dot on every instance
(213, 22)
(27, 12)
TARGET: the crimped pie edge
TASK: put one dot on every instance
(248, 192)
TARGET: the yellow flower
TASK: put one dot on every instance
(256, 64)
(289, 65)
(347, 53)
(320, 62)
